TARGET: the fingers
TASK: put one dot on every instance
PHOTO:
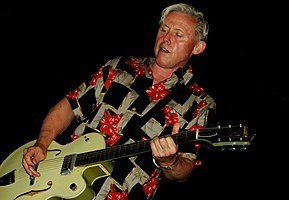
(164, 149)
(30, 161)
(176, 128)
(163, 146)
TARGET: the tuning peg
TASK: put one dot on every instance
(243, 149)
(232, 149)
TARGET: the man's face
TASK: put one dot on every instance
(175, 40)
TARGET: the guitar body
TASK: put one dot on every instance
(69, 170)
(15, 183)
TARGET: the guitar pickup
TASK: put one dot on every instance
(68, 164)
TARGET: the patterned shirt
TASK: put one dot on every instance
(121, 103)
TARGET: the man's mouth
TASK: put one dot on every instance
(163, 49)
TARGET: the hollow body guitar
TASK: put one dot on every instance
(69, 170)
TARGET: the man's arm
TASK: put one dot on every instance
(176, 166)
(56, 121)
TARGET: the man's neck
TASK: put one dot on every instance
(160, 74)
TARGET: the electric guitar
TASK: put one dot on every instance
(69, 170)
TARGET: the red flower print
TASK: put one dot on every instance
(198, 162)
(152, 183)
(202, 104)
(199, 106)
(196, 89)
(108, 126)
(73, 94)
(96, 76)
(140, 70)
(138, 65)
(171, 118)
(190, 69)
(195, 114)
(157, 91)
(74, 136)
(196, 126)
(166, 109)
(170, 115)
(115, 195)
(143, 138)
(111, 76)
(112, 139)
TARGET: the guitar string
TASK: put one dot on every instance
(121, 151)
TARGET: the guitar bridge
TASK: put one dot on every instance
(68, 164)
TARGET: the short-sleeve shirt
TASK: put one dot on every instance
(121, 103)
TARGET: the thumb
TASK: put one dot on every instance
(176, 128)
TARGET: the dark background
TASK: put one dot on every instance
(49, 47)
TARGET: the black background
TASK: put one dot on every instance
(49, 47)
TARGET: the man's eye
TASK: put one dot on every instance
(164, 29)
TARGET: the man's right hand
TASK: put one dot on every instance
(31, 157)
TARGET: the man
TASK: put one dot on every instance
(132, 99)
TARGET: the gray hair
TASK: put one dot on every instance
(202, 27)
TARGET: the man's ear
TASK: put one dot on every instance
(199, 47)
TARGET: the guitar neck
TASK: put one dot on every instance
(215, 136)
(128, 150)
